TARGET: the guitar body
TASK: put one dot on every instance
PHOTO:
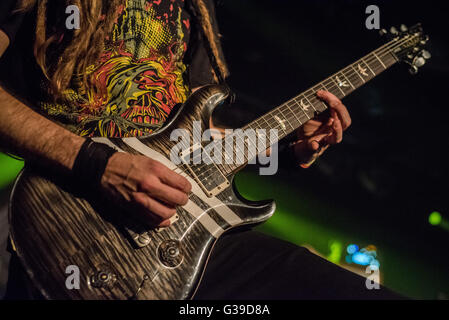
(60, 227)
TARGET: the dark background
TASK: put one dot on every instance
(391, 171)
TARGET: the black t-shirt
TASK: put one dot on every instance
(156, 55)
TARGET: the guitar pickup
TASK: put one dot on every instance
(204, 171)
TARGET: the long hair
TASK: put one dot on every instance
(83, 47)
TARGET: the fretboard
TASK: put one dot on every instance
(295, 112)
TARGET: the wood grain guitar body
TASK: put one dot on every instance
(58, 225)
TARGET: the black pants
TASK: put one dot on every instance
(251, 265)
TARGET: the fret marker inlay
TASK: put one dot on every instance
(341, 83)
(304, 106)
(362, 70)
(281, 122)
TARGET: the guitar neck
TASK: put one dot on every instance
(295, 112)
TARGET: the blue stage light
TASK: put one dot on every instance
(352, 248)
(374, 264)
(362, 259)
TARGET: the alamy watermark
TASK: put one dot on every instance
(373, 279)
(72, 281)
(73, 20)
(373, 20)
(236, 147)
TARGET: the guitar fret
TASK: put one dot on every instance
(379, 60)
(308, 101)
(338, 93)
(320, 102)
(338, 86)
(238, 153)
(357, 73)
(294, 113)
(354, 78)
(374, 74)
(291, 120)
(302, 109)
(285, 118)
(246, 147)
(279, 122)
(344, 83)
(323, 87)
(350, 83)
(291, 115)
(288, 110)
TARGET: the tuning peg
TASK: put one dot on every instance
(424, 40)
(403, 28)
(383, 32)
(413, 70)
(419, 62)
(394, 31)
(426, 54)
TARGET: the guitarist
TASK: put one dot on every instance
(119, 73)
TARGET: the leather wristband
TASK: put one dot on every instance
(91, 162)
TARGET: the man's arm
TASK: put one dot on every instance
(28, 134)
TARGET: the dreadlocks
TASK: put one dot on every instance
(86, 44)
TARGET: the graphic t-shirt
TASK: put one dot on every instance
(138, 79)
(153, 56)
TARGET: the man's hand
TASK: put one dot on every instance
(315, 136)
(145, 186)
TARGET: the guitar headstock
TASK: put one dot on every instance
(408, 45)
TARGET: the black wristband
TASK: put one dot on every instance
(91, 162)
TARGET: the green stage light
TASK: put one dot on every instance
(9, 168)
(435, 218)
(336, 249)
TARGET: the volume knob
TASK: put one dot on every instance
(170, 253)
(103, 277)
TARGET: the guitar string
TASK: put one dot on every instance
(312, 98)
(381, 52)
(180, 234)
(295, 116)
(368, 59)
(352, 75)
(182, 169)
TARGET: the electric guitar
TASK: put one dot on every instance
(59, 226)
